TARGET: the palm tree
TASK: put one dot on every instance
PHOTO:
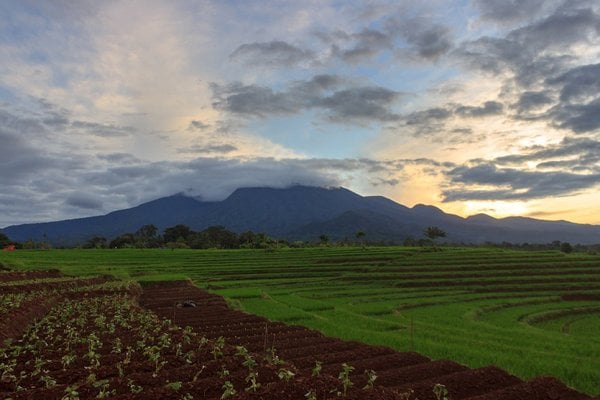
(433, 232)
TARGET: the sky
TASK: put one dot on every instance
(474, 106)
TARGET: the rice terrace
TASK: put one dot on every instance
(383, 323)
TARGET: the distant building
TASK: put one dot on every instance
(10, 247)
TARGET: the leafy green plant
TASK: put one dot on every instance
(272, 357)
(217, 350)
(252, 380)
(174, 386)
(228, 390)
(104, 387)
(71, 393)
(49, 382)
(344, 377)
(285, 374)
(133, 388)
(371, 377)
(316, 371)
(310, 395)
(440, 392)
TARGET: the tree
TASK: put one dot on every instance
(174, 233)
(96, 242)
(4, 240)
(566, 247)
(359, 236)
(147, 236)
(433, 232)
(324, 239)
(123, 241)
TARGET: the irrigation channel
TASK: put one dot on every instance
(87, 338)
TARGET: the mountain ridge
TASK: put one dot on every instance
(303, 213)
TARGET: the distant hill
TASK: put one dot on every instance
(304, 213)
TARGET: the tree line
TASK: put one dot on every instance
(219, 237)
(183, 237)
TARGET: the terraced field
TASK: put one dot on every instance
(90, 339)
(530, 313)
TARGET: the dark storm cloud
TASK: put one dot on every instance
(492, 54)
(579, 105)
(581, 148)
(514, 184)
(537, 50)
(567, 26)
(253, 100)
(580, 118)
(531, 101)
(330, 94)
(370, 103)
(578, 83)
(538, 61)
(562, 169)
(433, 120)
(488, 108)
(274, 53)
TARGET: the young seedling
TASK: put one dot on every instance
(249, 361)
(344, 377)
(228, 390)
(174, 386)
(316, 371)
(252, 379)
(71, 393)
(310, 395)
(223, 372)
(217, 350)
(285, 374)
(104, 386)
(48, 381)
(133, 388)
(440, 392)
(371, 377)
(272, 357)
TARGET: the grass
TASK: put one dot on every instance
(477, 306)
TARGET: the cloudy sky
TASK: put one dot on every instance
(474, 106)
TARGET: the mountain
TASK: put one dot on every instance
(304, 213)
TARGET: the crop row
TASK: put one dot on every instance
(105, 346)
